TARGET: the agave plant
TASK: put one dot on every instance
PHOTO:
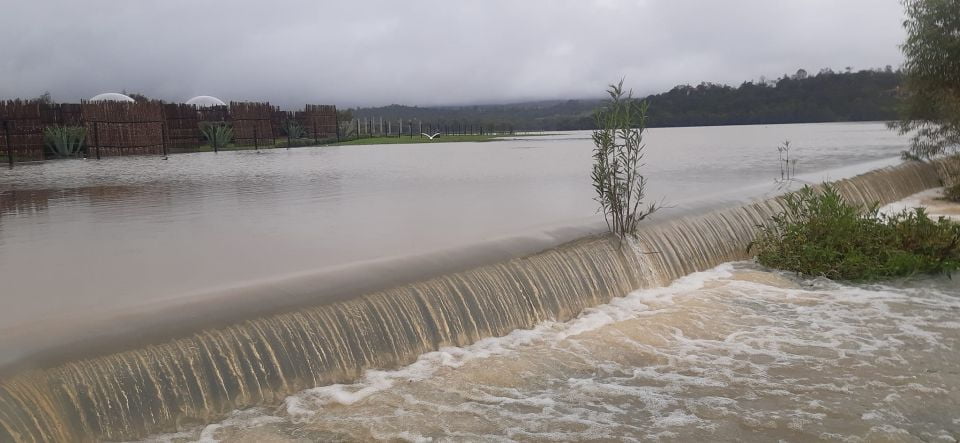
(293, 129)
(65, 141)
(217, 134)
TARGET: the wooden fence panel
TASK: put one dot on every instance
(121, 128)
(319, 121)
(183, 127)
(252, 123)
(21, 130)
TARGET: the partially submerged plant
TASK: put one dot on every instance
(788, 166)
(820, 235)
(949, 169)
(952, 193)
(617, 159)
(65, 141)
(219, 134)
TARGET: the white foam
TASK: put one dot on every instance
(729, 350)
(312, 401)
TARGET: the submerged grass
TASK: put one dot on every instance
(822, 235)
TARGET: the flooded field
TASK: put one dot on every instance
(125, 233)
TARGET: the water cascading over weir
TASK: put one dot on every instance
(200, 377)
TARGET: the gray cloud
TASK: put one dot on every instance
(427, 51)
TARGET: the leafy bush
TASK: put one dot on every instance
(219, 135)
(952, 193)
(819, 234)
(617, 159)
(65, 141)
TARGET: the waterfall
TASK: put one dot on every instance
(203, 375)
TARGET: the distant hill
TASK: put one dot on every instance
(828, 96)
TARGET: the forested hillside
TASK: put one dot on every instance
(799, 98)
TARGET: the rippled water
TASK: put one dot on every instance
(732, 354)
(80, 237)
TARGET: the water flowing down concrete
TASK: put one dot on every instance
(200, 377)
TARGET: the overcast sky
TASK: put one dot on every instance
(427, 52)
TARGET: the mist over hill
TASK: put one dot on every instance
(827, 96)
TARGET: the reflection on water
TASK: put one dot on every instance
(80, 236)
(732, 354)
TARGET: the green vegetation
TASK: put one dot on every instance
(617, 159)
(218, 135)
(952, 193)
(65, 141)
(406, 139)
(821, 235)
(293, 129)
(827, 96)
(930, 109)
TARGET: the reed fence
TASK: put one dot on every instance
(149, 128)
(21, 131)
(319, 121)
(121, 128)
(183, 127)
(252, 123)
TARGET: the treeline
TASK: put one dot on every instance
(828, 96)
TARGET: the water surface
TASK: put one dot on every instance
(731, 354)
(80, 237)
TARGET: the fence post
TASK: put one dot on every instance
(336, 121)
(6, 137)
(316, 135)
(163, 137)
(96, 138)
(256, 139)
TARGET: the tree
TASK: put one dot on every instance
(930, 107)
(45, 98)
(136, 96)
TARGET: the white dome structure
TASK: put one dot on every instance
(205, 101)
(111, 97)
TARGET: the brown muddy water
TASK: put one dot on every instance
(84, 243)
(731, 354)
(274, 290)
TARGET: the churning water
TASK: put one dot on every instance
(731, 354)
(162, 369)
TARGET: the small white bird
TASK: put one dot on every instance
(431, 137)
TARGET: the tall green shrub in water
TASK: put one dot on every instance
(617, 159)
(820, 234)
(219, 135)
(64, 141)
